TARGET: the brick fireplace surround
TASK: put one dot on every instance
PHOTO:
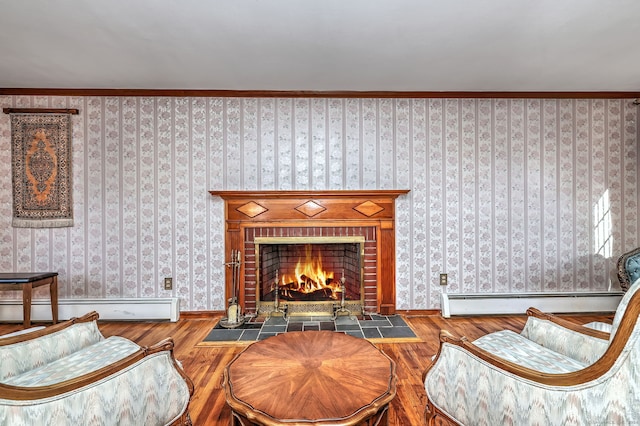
(314, 213)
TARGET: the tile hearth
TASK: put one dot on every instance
(367, 327)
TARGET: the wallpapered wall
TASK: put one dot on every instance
(507, 195)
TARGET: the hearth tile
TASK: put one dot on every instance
(368, 208)
(375, 323)
(310, 208)
(377, 317)
(347, 327)
(263, 335)
(397, 321)
(223, 334)
(276, 321)
(346, 320)
(294, 326)
(373, 327)
(274, 328)
(327, 325)
(371, 333)
(252, 325)
(397, 332)
(250, 335)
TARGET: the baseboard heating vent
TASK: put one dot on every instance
(156, 309)
(518, 303)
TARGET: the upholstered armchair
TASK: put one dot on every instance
(627, 271)
(554, 372)
(70, 374)
(628, 268)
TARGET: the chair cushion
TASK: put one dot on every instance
(600, 326)
(86, 360)
(513, 347)
(18, 358)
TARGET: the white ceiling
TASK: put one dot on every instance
(322, 45)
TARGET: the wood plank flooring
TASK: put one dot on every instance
(205, 364)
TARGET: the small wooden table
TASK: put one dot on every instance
(310, 378)
(27, 281)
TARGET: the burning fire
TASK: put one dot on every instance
(309, 276)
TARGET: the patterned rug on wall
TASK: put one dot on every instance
(41, 167)
(375, 328)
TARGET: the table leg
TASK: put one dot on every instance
(27, 291)
(53, 291)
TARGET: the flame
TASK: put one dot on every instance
(309, 275)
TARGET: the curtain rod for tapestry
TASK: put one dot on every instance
(72, 111)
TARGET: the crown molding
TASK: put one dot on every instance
(310, 94)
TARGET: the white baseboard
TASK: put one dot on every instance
(165, 309)
(518, 303)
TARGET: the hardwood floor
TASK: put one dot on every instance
(205, 364)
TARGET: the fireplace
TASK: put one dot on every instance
(357, 224)
(310, 275)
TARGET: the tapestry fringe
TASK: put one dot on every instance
(39, 223)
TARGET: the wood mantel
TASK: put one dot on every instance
(367, 208)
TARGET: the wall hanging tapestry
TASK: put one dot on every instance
(41, 167)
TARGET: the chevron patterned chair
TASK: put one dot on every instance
(553, 372)
(70, 374)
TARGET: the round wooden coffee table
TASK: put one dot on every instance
(310, 378)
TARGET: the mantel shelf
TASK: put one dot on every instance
(227, 195)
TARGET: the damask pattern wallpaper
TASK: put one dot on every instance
(507, 195)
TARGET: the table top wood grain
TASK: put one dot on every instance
(310, 377)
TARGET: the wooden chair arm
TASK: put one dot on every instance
(536, 313)
(163, 345)
(26, 393)
(592, 372)
(91, 316)
(564, 379)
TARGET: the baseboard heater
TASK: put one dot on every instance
(134, 309)
(518, 303)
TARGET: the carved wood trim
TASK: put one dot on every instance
(435, 417)
(49, 91)
(324, 208)
(533, 312)
(91, 316)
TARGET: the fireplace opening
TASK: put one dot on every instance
(310, 275)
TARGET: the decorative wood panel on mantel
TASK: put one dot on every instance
(372, 208)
